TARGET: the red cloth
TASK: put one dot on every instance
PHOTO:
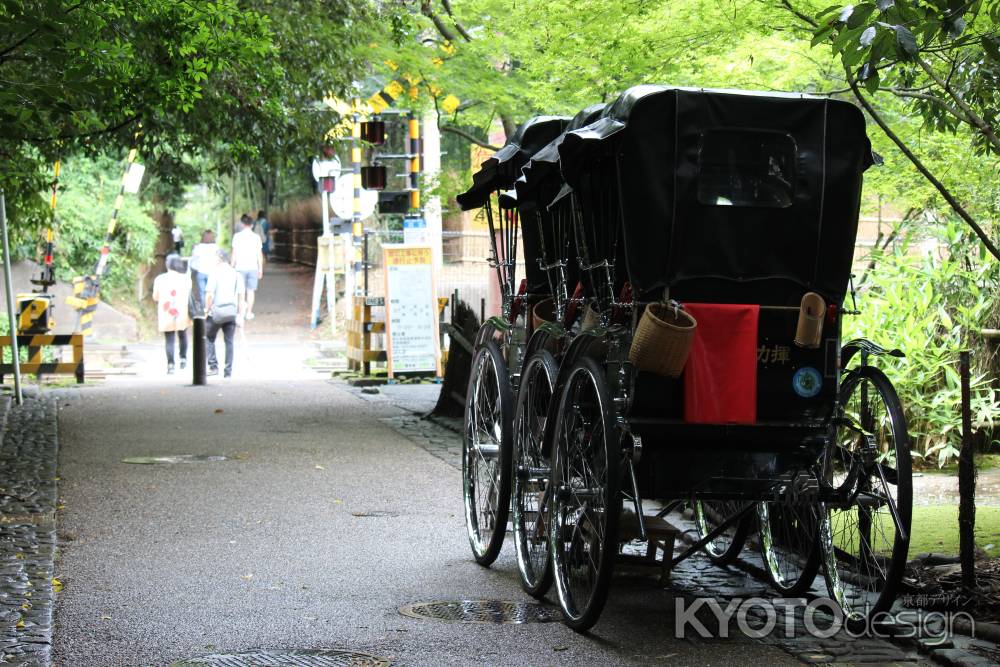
(720, 378)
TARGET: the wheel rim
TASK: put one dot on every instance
(788, 533)
(580, 495)
(861, 543)
(530, 517)
(481, 465)
(708, 515)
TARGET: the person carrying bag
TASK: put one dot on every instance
(224, 301)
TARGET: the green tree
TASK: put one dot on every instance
(942, 57)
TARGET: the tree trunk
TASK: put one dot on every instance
(967, 484)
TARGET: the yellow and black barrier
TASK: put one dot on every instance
(86, 296)
(34, 364)
(360, 351)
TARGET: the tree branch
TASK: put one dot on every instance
(955, 205)
(18, 43)
(428, 11)
(467, 136)
(810, 21)
(458, 26)
(83, 135)
(971, 116)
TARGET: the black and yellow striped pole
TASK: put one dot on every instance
(87, 289)
(414, 131)
(48, 272)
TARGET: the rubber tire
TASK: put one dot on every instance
(739, 537)
(809, 571)
(536, 586)
(486, 554)
(904, 491)
(583, 619)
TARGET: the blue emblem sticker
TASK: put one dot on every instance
(807, 382)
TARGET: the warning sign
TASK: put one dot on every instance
(411, 321)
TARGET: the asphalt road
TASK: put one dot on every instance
(265, 551)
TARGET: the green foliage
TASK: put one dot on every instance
(930, 301)
(237, 80)
(89, 187)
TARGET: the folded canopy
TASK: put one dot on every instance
(726, 195)
(500, 170)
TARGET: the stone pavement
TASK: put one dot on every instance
(28, 503)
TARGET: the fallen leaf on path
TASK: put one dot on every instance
(105, 618)
(247, 577)
(560, 648)
(338, 501)
(56, 585)
(320, 468)
(20, 624)
(219, 411)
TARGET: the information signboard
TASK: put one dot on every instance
(415, 231)
(411, 322)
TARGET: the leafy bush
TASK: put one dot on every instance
(931, 304)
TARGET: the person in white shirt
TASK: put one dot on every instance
(178, 236)
(170, 292)
(203, 260)
(248, 260)
(224, 300)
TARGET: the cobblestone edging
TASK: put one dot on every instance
(28, 497)
(699, 578)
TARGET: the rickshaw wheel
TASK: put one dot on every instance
(586, 501)
(710, 513)
(532, 473)
(864, 551)
(486, 453)
(789, 547)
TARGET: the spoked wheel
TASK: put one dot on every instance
(708, 515)
(586, 501)
(531, 473)
(486, 452)
(865, 540)
(789, 544)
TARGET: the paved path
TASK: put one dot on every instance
(265, 550)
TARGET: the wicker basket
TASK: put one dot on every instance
(543, 311)
(591, 318)
(662, 340)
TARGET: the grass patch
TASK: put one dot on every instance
(934, 530)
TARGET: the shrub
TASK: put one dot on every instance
(931, 303)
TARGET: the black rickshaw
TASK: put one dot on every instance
(489, 402)
(718, 228)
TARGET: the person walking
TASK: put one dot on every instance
(248, 260)
(171, 290)
(203, 260)
(264, 232)
(178, 237)
(224, 303)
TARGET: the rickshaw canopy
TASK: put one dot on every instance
(500, 170)
(727, 195)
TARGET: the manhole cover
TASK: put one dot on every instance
(482, 611)
(303, 658)
(178, 458)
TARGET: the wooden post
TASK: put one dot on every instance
(967, 483)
